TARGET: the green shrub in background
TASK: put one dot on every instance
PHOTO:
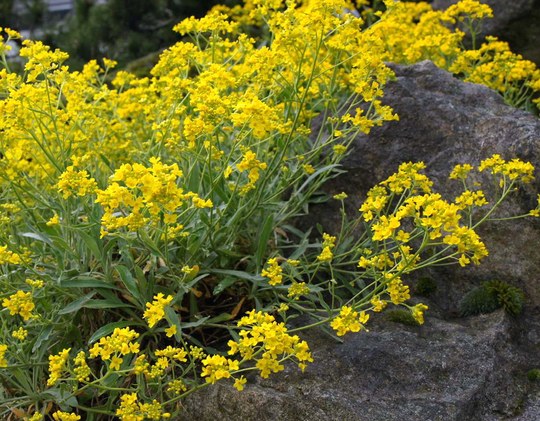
(491, 296)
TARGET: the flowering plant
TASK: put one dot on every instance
(147, 249)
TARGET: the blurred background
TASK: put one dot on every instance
(123, 30)
(134, 32)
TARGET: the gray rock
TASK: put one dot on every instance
(442, 371)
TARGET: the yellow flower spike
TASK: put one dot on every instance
(3, 360)
(82, 370)
(418, 312)
(273, 272)
(57, 365)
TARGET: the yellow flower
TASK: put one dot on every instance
(216, 367)
(170, 331)
(55, 220)
(239, 383)
(35, 283)
(418, 312)
(75, 183)
(378, 304)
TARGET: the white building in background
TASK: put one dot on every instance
(54, 12)
(53, 8)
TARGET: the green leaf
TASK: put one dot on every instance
(263, 237)
(104, 304)
(239, 274)
(130, 283)
(107, 330)
(40, 237)
(195, 323)
(223, 317)
(86, 282)
(77, 304)
(91, 244)
(43, 336)
(224, 284)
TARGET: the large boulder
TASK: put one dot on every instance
(451, 368)
(442, 371)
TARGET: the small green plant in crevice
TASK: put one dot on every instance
(402, 316)
(491, 296)
(534, 375)
(425, 286)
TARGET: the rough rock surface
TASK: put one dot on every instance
(462, 369)
(442, 371)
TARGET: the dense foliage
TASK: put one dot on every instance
(147, 249)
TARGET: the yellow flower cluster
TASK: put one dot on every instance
(267, 342)
(414, 32)
(140, 195)
(398, 292)
(216, 367)
(349, 320)
(514, 170)
(329, 243)
(57, 366)
(251, 164)
(75, 183)
(3, 360)
(131, 409)
(119, 343)
(10, 257)
(155, 311)
(428, 212)
(20, 303)
(297, 289)
(273, 272)
(418, 312)
(65, 416)
(21, 333)
(82, 370)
